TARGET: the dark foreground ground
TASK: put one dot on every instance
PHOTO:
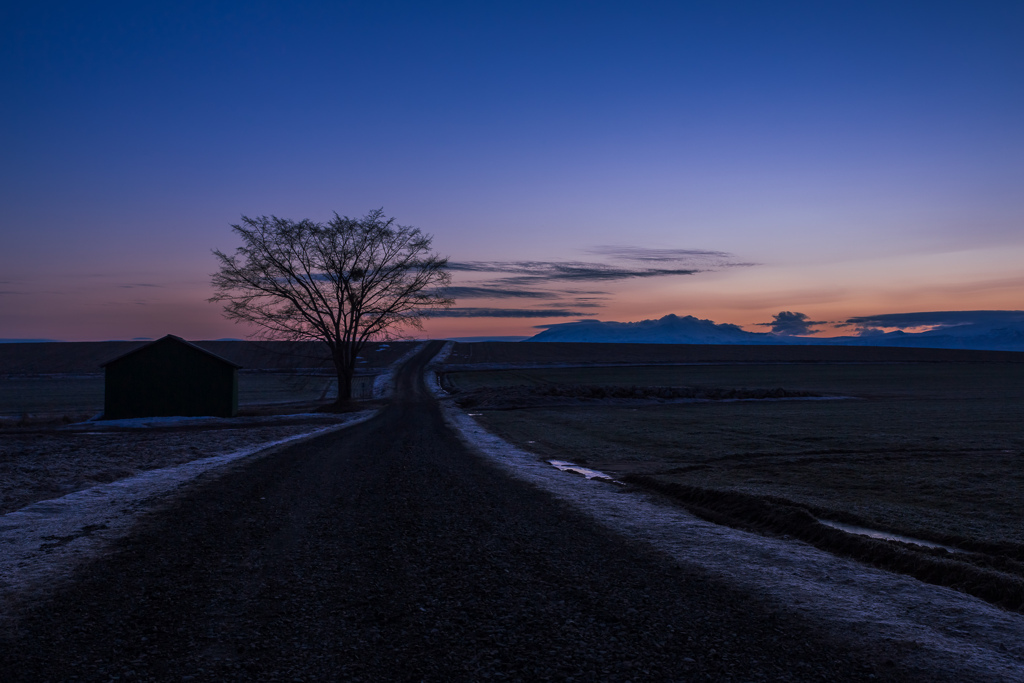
(389, 552)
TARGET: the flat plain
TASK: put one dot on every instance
(65, 380)
(932, 450)
(48, 390)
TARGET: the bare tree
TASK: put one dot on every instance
(344, 283)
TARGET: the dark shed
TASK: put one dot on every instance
(170, 376)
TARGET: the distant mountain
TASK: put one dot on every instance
(995, 333)
(978, 337)
(486, 338)
(672, 329)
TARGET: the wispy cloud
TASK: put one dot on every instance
(643, 254)
(560, 282)
(486, 292)
(703, 259)
(139, 284)
(502, 313)
(935, 319)
(537, 272)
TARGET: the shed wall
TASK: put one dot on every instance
(169, 378)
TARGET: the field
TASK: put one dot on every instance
(78, 395)
(50, 380)
(48, 463)
(43, 386)
(524, 353)
(929, 450)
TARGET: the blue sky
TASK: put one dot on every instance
(858, 158)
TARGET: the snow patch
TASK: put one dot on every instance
(185, 421)
(588, 473)
(384, 383)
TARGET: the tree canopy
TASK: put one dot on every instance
(345, 282)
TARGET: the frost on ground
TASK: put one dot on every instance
(43, 542)
(39, 465)
(384, 383)
(935, 627)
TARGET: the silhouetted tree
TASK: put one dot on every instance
(345, 282)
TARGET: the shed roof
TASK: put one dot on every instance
(178, 340)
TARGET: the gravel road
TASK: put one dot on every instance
(389, 551)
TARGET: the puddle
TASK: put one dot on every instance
(567, 466)
(884, 535)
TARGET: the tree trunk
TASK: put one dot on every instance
(344, 366)
(344, 386)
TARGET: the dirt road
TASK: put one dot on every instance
(388, 551)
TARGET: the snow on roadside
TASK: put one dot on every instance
(384, 383)
(184, 421)
(935, 627)
(41, 464)
(42, 543)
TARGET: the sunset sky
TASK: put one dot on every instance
(608, 160)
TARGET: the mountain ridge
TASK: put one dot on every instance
(995, 333)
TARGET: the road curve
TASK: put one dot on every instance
(388, 551)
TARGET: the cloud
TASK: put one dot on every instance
(140, 284)
(487, 292)
(564, 282)
(792, 324)
(537, 272)
(501, 313)
(627, 253)
(581, 320)
(937, 319)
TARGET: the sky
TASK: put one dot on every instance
(599, 160)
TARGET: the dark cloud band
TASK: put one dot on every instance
(936, 318)
(536, 272)
(626, 253)
(485, 292)
(502, 313)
